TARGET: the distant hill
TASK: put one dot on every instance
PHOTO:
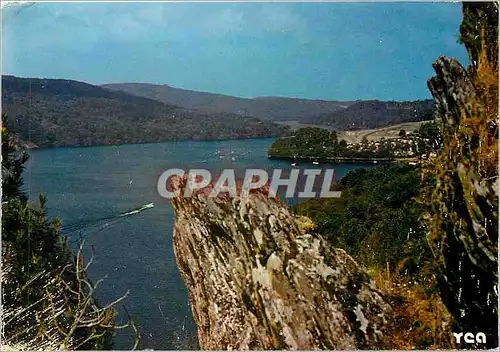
(57, 112)
(340, 115)
(270, 108)
(374, 114)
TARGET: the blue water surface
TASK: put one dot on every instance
(88, 187)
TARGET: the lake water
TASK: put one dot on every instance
(85, 186)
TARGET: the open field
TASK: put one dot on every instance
(372, 134)
(376, 134)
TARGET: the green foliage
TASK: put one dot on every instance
(48, 302)
(377, 219)
(319, 143)
(40, 287)
(463, 207)
(480, 17)
(369, 114)
(308, 142)
(13, 159)
(49, 112)
(429, 138)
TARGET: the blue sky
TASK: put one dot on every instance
(336, 51)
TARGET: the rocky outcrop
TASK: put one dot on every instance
(256, 281)
(464, 204)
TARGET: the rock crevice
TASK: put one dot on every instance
(256, 281)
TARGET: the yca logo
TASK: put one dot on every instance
(470, 338)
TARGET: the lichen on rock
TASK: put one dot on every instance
(256, 281)
(463, 222)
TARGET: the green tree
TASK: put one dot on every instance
(377, 218)
(342, 145)
(13, 159)
(429, 138)
(47, 299)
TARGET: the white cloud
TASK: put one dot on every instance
(93, 21)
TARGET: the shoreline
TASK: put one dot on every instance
(343, 160)
(33, 146)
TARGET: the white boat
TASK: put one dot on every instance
(294, 164)
(138, 210)
(375, 161)
(315, 163)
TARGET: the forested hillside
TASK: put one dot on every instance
(54, 112)
(271, 108)
(341, 115)
(374, 114)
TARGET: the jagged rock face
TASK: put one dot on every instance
(256, 282)
(464, 216)
(480, 24)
